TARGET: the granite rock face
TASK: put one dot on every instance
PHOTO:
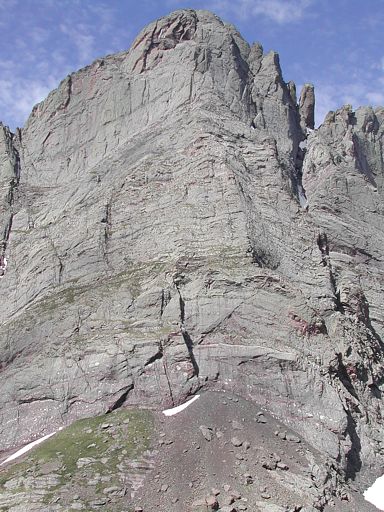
(168, 224)
(307, 107)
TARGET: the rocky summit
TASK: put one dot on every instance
(172, 223)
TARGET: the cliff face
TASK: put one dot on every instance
(167, 224)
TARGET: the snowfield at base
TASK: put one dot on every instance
(27, 447)
(375, 494)
(179, 408)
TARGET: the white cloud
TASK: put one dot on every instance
(39, 34)
(325, 100)
(105, 15)
(18, 96)
(82, 38)
(7, 4)
(375, 98)
(278, 11)
(49, 42)
(332, 96)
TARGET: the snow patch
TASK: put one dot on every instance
(179, 408)
(302, 197)
(375, 494)
(27, 447)
(3, 266)
(303, 144)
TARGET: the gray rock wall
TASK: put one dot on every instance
(159, 244)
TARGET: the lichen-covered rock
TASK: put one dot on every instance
(157, 244)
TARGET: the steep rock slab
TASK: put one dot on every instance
(9, 179)
(343, 176)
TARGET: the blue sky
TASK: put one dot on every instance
(335, 44)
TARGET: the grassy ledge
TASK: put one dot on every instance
(77, 466)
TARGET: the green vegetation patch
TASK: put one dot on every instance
(128, 430)
(90, 450)
(132, 279)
